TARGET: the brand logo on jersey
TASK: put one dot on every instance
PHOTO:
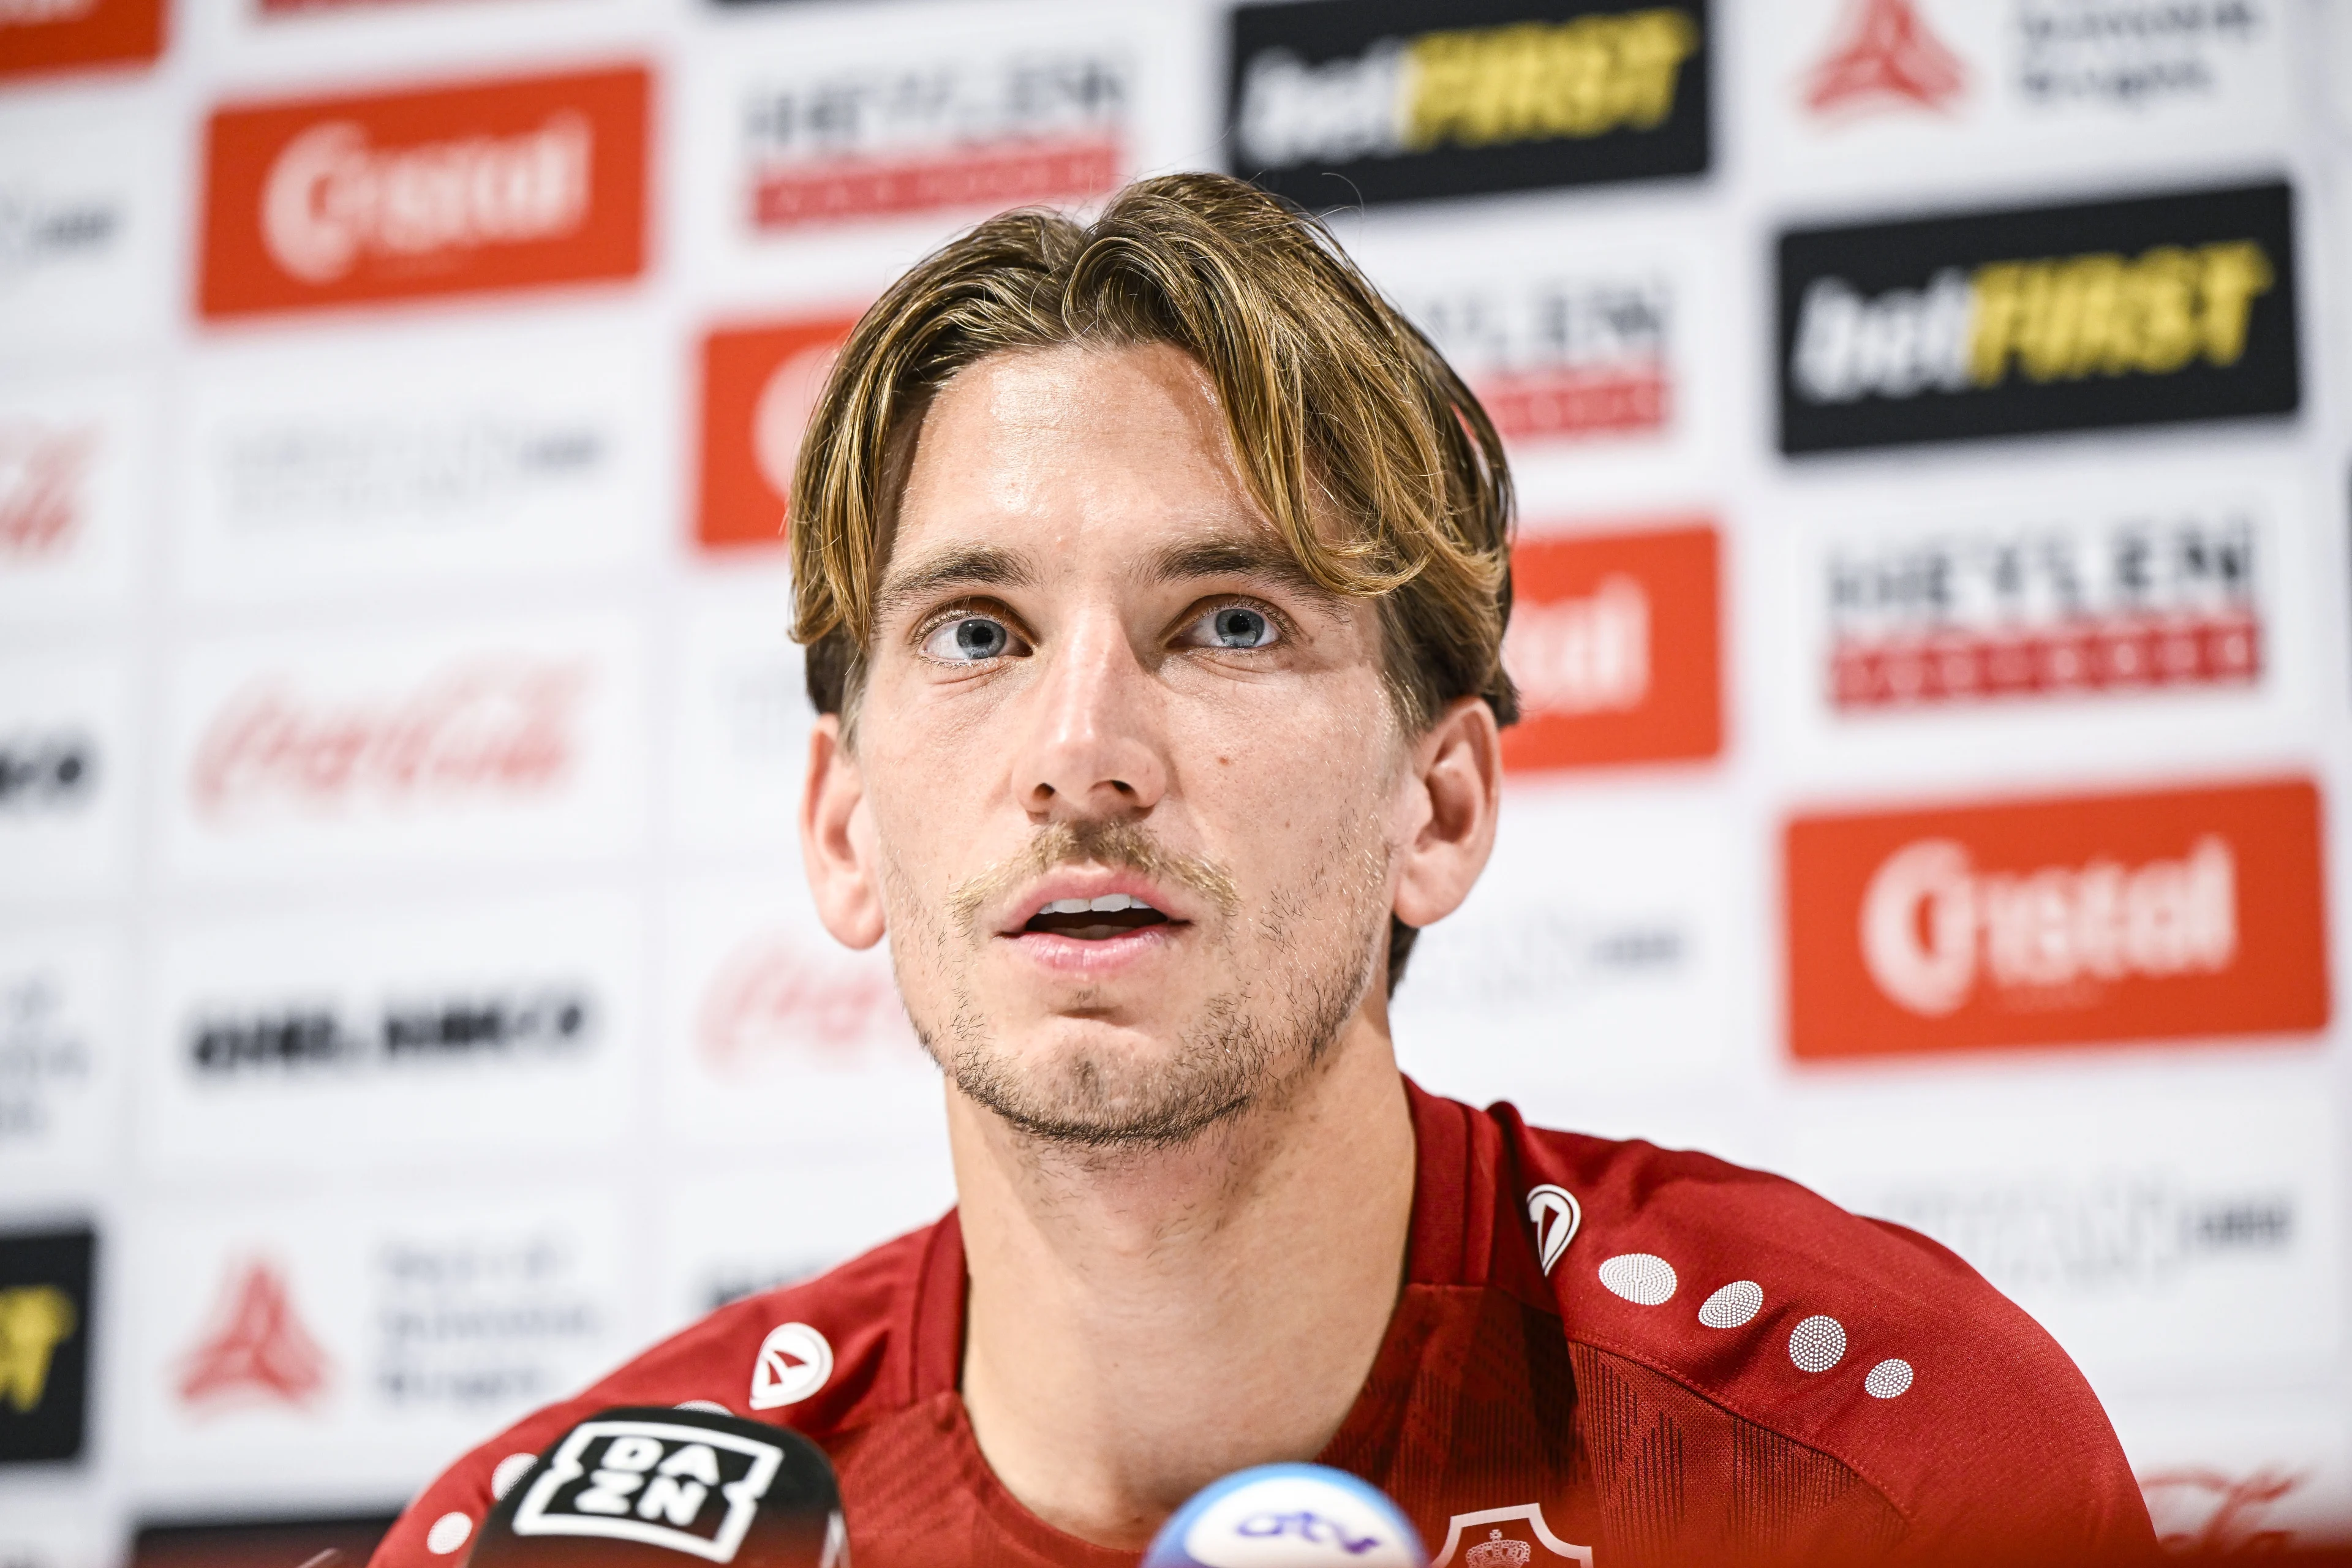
(794, 1361)
(1040, 126)
(1556, 1214)
(444, 190)
(38, 771)
(493, 726)
(38, 36)
(1612, 644)
(758, 386)
(1388, 103)
(45, 1322)
(2167, 915)
(257, 1349)
(1885, 55)
(2153, 601)
(42, 472)
(1559, 359)
(1506, 1538)
(2132, 312)
(685, 1488)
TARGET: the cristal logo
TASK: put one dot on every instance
(1584, 655)
(1932, 924)
(491, 728)
(331, 197)
(43, 13)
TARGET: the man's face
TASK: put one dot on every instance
(1130, 777)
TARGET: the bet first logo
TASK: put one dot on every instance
(45, 1317)
(2150, 310)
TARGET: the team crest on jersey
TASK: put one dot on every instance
(1556, 1214)
(1514, 1537)
(794, 1361)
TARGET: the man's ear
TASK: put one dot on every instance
(1453, 792)
(838, 840)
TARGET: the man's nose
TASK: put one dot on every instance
(1095, 748)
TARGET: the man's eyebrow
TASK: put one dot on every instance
(963, 566)
(1227, 556)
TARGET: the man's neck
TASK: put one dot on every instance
(1140, 1323)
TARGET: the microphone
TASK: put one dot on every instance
(652, 1486)
(1287, 1516)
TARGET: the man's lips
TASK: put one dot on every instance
(1090, 906)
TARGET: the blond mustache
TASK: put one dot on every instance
(1117, 843)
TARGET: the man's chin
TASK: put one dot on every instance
(1085, 1084)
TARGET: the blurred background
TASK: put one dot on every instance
(1930, 422)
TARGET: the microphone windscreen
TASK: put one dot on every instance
(1287, 1516)
(652, 1487)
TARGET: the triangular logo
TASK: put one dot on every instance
(794, 1361)
(258, 1347)
(1888, 55)
(1556, 1215)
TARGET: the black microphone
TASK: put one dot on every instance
(652, 1486)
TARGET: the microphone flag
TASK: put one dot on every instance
(654, 1487)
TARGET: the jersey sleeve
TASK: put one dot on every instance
(1854, 1339)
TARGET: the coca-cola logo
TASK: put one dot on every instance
(42, 470)
(1933, 926)
(332, 196)
(772, 998)
(496, 727)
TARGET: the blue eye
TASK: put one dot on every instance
(967, 639)
(1238, 625)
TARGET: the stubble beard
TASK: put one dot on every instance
(1303, 977)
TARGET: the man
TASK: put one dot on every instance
(1154, 576)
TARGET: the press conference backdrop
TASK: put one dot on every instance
(1930, 420)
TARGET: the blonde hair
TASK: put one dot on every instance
(1334, 403)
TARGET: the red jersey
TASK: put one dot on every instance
(1603, 1351)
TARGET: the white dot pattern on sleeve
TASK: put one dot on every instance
(1732, 1306)
(1889, 1379)
(1816, 1345)
(1640, 1278)
(512, 1469)
(448, 1533)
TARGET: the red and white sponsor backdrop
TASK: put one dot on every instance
(404, 966)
